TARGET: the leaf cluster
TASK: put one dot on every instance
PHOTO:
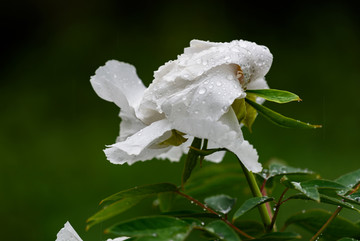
(219, 217)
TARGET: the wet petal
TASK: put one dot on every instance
(141, 145)
(208, 97)
(67, 233)
(215, 62)
(118, 82)
(225, 133)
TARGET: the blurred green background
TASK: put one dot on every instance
(54, 127)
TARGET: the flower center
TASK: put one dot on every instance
(240, 77)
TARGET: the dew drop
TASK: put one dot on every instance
(211, 86)
(202, 91)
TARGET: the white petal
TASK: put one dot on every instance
(257, 84)
(207, 97)
(174, 154)
(255, 60)
(140, 146)
(118, 82)
(225, 133)
(217, 156)
(67, 233)
(185, 77)
(118, 239)
(129, 124)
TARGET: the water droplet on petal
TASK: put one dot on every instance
(218, 83)
(202, 91)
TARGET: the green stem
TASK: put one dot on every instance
(257, 193)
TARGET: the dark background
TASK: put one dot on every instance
(54, 127)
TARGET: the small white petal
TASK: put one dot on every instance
(258, 84)
(174, 154)
(129, 125)
(142, 145)
(217, 156)
(119, 239)
(67, 233)
(118, 82)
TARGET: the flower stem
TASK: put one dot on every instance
(265, 216)
(277, 208)
(333, 216)
(193, 200)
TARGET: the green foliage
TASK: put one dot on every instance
(250, 204)
(278, 96)
(214, 179)
(124, 200)
(251, 114)
(312, 220)
(350, 180)
(220, 203)
(208, 222)
(191, 160)
(279, 119)
(223, 231)
(281, 236)
(176, 139)
(310, 188)
(141, 191)
(155, 227)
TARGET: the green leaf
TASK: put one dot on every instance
(166, 200)
(281, 236)
(313, 220)
(239, 108)
(176, 139)
(326, 199)
(142, 190)
(191, 161)
(250, 227)
(310, 187)
(250, 204)
(222, 230)
(159, 227)
(278, 96)
(353, 198)
(114, 209)
(279, 119)
(251, 114)
(349, 180)
(276, 169)
(348, 239)
(221, 203)
(214, 178)
(191, 214)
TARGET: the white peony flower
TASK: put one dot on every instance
(67, 233)
(192, 95)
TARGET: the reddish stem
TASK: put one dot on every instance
(213, 212)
